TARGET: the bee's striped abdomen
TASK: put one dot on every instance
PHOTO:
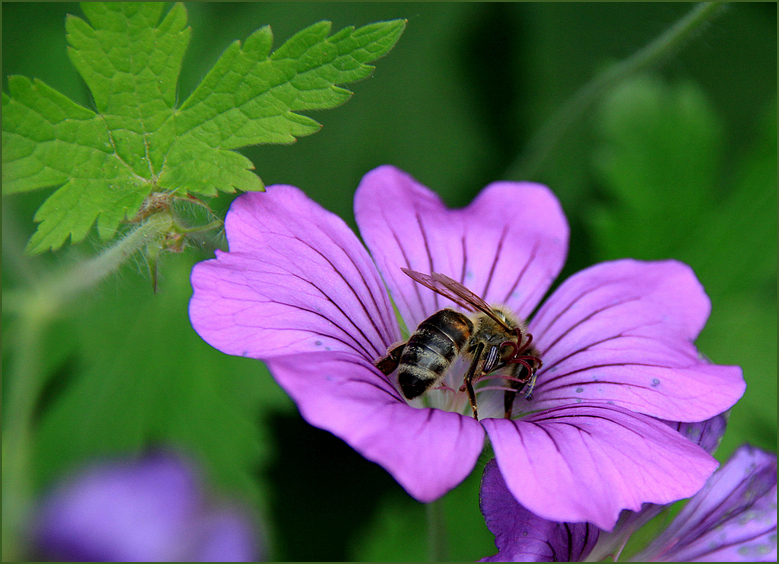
(431, 349)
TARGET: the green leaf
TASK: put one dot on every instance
(660, 162)
(741, 226)
(138, 142)
(659, 165)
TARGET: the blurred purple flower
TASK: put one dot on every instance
(152, 509)
(299, 291)
(732, 519)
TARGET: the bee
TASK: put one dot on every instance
(491, 337)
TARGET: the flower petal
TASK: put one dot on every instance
(706, 434)
(296, 280)
(134, 510)
(522, 536)
(588, 462)
(152, 509)
(623, 332)
(428, 451)
(507, 246)
(732, 519)
(225, 534)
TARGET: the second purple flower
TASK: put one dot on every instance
(299, 291)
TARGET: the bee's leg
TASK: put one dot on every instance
(525, 380)
(510, 394)
(508, 399)
(508, 402)
(389, 363)
(492, 361)
(522, 375)
(469, 378)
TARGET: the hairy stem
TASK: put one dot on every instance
(34, 309)
(89, 273)
(547, 138)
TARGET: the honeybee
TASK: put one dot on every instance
(490, 336)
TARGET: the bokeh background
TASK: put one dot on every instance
(679, 162)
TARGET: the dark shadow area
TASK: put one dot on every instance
(324, 492)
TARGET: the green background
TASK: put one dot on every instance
(678, 163)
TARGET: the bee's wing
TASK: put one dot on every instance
(440, 287)
(452, 289)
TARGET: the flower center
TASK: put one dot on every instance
(489, 376)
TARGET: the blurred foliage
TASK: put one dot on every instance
(668, 196)
(140, 377)
(680, 164)
(399, 528)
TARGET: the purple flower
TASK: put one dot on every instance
(299, 291)
(152, 509)
(733, 518)
(521, 536)
(707, 435)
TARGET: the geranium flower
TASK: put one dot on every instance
(706, 434)
(300, 292)
(732, 519)
(150, 509)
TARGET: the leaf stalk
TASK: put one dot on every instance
(36, 308)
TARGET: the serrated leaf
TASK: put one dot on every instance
(252, 97)
(49, 140)
(107, 163)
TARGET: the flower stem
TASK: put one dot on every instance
(437, 545)
(89, 273)
(547, 138)
(35, 309)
